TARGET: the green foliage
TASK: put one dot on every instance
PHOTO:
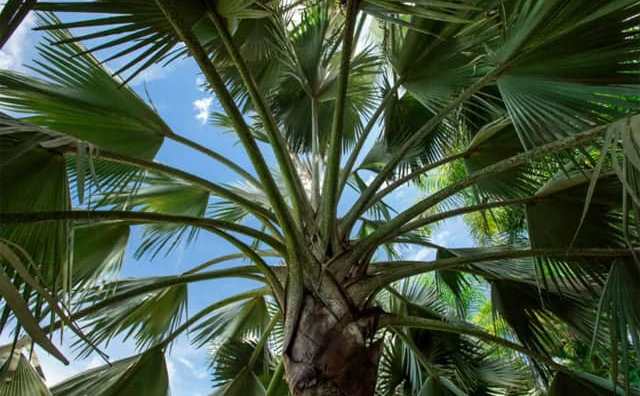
(520, 115)
(36, 181)
(418, 361)
(77, 96)
(98, 251)
(21, 375)
(147, 317)
(130, 376)
(163, 195)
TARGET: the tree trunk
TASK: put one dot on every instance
(330, 356)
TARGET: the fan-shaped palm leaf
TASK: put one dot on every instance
(518, 114)
(21, 375)
(124, 377)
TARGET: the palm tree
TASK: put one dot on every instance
(519, 115)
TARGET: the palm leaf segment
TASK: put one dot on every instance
(519, 115)
(22, 374)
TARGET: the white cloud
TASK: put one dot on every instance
(202, 106)
(187, 368)
(186, 362)
(197, 372)
(442, 238)
(13, 52)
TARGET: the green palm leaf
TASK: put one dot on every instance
(425, 359)
(161, 194)
(129, 376)
(492, 143)
(23, 376)
(147, 317)
(519, 115)
(98, 252)
(310, 58)
(575, 69)
(78, 97)
(233, 322)
(565, 197)
(403, 117)
(36, 180)
(450, 11)
(563, 384)
(140, 29)
(246, 383)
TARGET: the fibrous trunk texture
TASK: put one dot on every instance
(332, 356)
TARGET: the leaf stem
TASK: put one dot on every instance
(279, 145)
(353, 156)
(263, 340)
(217, 157)
(248, 272)
(214, 188)
(467, 329)
(138, 217)
(213, 307)
(403, 218)
(383, 273)
(362, 202)
(410, 176)
(275, 378)
(171, 10)
(332, 176)
(316, 157)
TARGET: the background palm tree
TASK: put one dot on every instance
(520, 115)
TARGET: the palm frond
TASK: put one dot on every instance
(22, 373)
(35, 180)
(160, 194)
(147, 317)
(244, 318)
(128, 376)
(416, 359)
(140, 30)
(98, 252)
(77, 96)
(575, 67)
(448, 11)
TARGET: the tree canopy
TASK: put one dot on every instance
(521, 116)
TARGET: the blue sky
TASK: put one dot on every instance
(178, 98)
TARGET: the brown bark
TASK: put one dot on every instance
(332, 356)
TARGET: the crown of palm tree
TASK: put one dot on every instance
(521, 116)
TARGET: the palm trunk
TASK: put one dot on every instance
(332, 357)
